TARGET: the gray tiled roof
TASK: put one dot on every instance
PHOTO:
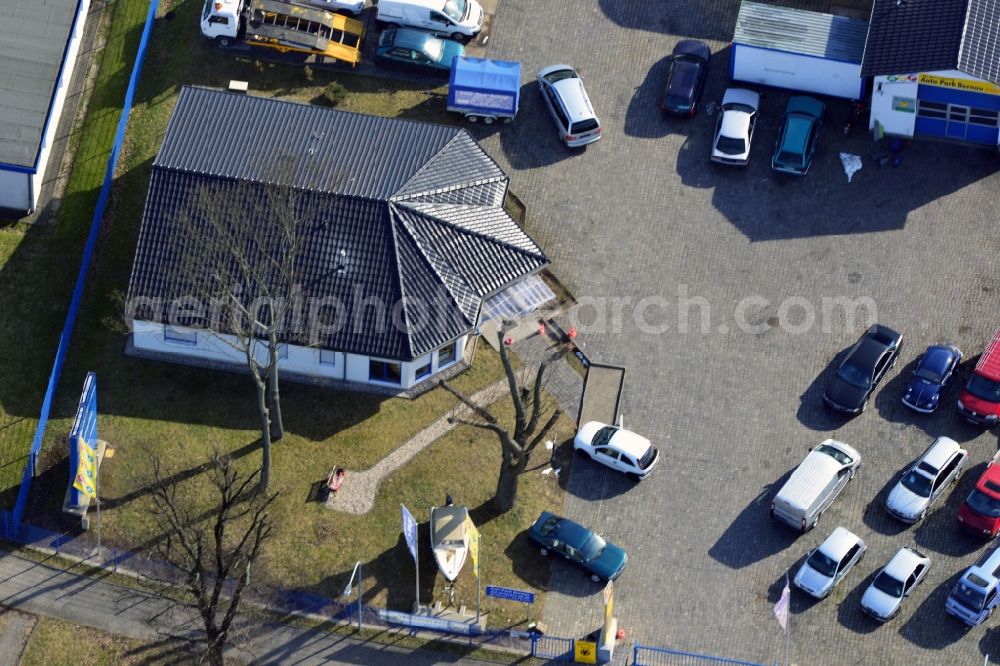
(439, 251)
(980, 54)
(33, 40)
(931, 35)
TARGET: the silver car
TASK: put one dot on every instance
(940, 466)
(827, 565)
(734, 129)
(568, 104)
(898, 578)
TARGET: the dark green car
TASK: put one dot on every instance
(799, 133)
(417, 50)
(601, 560)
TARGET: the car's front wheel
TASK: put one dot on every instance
(632, 476)
(595, 578)
(582, 453)
(544, 552)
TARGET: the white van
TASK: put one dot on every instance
(456, 19)
(814, 485)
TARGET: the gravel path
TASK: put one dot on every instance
(357, 494)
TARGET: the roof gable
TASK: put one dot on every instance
(402, 276)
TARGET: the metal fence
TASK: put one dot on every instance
(646, 655)
(11, 526)
(553, 648)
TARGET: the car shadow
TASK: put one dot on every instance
(532, 140)
(744, 542)
(939, 531)
(594, 482)
(799, 601)
(849, 612)
(643, 118)
(876, 517)
(813, 412)
(946, 629)
(943, 421)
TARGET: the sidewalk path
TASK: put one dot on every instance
(44, 590)
(357, 494)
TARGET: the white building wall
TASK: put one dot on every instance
(15, 190)
(894, 104)
(794, 71)
(150, 337)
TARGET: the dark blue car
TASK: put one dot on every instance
(602, 560)
(934, 369)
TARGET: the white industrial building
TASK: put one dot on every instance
(39, 41)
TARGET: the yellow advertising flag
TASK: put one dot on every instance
(473, 545)
(86, 469)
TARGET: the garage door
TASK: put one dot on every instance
(947, 114)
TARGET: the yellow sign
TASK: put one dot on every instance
(585, 652)
(473, 545)
(960, 84)
(609, 602)
(86, 469)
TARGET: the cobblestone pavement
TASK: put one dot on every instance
(643, 214)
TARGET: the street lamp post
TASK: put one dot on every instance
(350, 584)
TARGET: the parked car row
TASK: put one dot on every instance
(876, 352)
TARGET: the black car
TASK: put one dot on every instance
(862, 369)
(686, 78)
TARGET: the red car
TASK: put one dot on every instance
(980, 513)
(979, 402)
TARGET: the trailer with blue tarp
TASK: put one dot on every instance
(485, 90)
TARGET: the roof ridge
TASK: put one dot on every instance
(459, 135)
(470, 232)
(398, 278)
(422, 251)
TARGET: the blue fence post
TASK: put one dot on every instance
(81, 277)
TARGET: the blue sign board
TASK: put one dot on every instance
(84, 428)
(510, 594)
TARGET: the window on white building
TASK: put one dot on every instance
(423, 370)
(327, 357)
(447, 355)
(179, 336)
(282, 351)
(385, 371)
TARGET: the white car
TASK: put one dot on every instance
(618, 448)
(734, 129)
(884, 597)
(566, 99)
(827, 565)
(940, 466)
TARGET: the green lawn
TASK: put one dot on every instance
(57, 643)
(180, 414)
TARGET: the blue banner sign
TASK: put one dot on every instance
(510, 594)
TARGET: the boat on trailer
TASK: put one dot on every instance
(450, 538)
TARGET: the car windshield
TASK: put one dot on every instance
(929, 375)
(889, 585)
(788, 157)
(968, 596)
(604, 435)
(731, 145)
(592, 548)
(917, 483)
(983, 504)
(549, 526)
(647, 457)
(736, 106)
(455, 9)
(559, 75)
(584, 126)
(984, 389)
(854, 375)
(822, 564)
(836, 454)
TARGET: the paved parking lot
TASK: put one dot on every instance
(642, 214)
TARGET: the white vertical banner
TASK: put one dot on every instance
(781, 607)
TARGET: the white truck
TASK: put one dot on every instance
(286, 27)
(460, 20)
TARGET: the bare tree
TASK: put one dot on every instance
(516, 445)
(215, 553)
(237, 254)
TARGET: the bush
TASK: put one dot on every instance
(334, 94)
